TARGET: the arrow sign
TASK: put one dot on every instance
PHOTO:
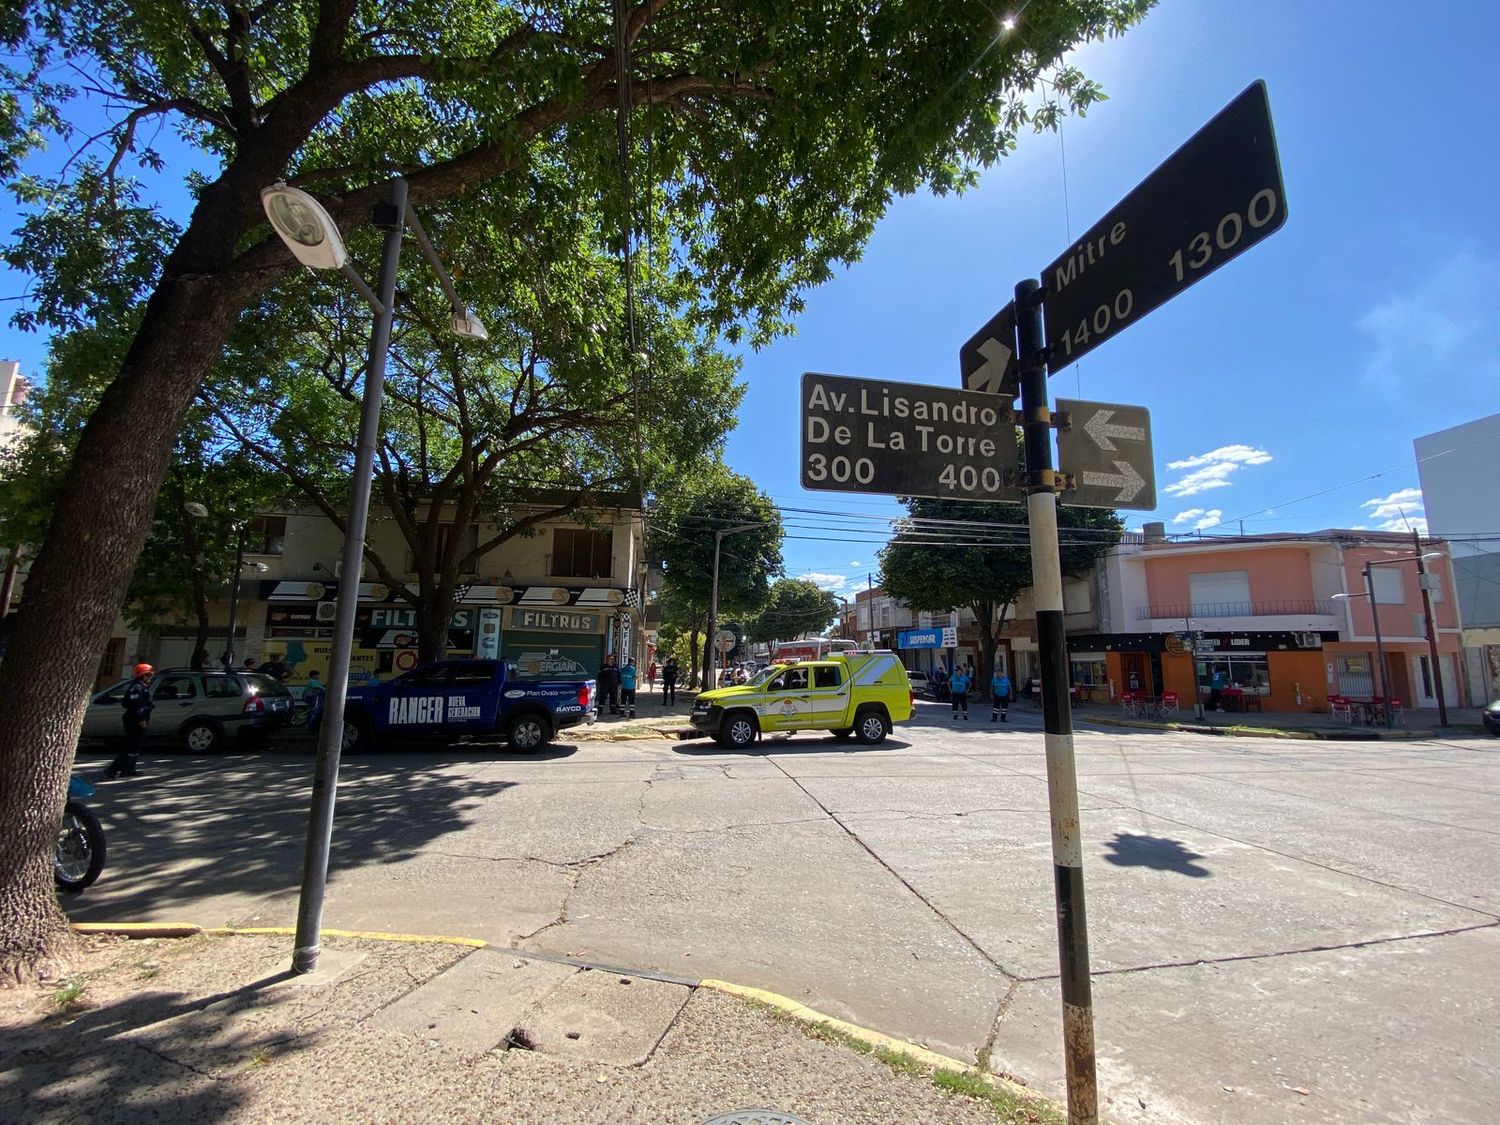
(1127, 480)
(1100, 429)
(987, 362)
(1107, 476)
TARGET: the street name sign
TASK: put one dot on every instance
(1106, 448)
(1210, 201)
(906, 439)
(988, 361)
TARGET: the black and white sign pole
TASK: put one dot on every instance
(1057, 718)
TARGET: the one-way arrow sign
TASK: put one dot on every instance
(988, 361)
(1108, 475)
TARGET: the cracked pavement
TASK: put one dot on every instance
(1266, 917)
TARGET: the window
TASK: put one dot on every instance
(222, 687)
(1389, 589)
(479, 673)
(793, 679)
(825, 676)
(1088, 670)
(439, 675)
(1220, 593)
(1249, 671)
(582, 552)
(265, 535)
(177, 687)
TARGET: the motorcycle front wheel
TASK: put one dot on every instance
(80, 849)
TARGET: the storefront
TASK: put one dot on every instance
(922, 649)
(553, 632)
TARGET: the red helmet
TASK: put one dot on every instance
(143, 670)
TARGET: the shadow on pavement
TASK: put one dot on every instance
(1157, 852)
(797, 744)
(97, 1064)
(234, 826)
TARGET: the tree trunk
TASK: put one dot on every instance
(984, 613)
(434, 612)
(694, 655)
(81, 575)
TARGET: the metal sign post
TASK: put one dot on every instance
(1057, 716)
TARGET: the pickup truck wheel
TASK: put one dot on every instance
(738, 730)
(359, 736)
(527, 733)
(873, 726)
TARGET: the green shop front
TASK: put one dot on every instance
(555, 642)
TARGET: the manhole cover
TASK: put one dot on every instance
(756, 1117)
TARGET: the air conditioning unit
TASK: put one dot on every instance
(327, 611)
(1308, 640)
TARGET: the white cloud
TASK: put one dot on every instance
(1442, 327)
(1201, 518)
(855, 562)
(1400, 511)
(833, 583)
(1213, 469)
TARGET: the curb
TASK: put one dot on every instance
(797, 1010)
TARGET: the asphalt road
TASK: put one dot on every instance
(1281, 931)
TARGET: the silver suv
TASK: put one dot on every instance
(201, 709)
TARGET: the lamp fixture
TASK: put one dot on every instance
(305, 226)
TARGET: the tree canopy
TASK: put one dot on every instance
(793, 607)
(769, 142)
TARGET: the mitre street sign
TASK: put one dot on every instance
(1210, 201)
(906, 439)
(1106, 448)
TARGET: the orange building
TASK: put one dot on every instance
(1275, 623)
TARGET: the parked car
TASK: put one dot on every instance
(919, 681)
(1491, 716)
(201, 709)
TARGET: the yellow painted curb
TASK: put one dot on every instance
(139, 929)
(865, 1035)
(370, 935)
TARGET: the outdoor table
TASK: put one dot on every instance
(1367, 710)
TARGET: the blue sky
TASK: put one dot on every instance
(1286, 388)
(1310, 362)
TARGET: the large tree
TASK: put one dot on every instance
(681, 530)
(774, 143)
(794, 606)
(948, 554)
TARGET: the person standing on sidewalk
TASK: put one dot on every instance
(669, 682)
(609, 685)
(137, 719)
(628, 677)
(958, 688)
(651, 675)
(1000, 693)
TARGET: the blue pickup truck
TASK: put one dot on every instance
(473, 697)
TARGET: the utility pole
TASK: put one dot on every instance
(713, 604)
(1385, 692)
(234, 592)
(1057, 717)
(1432, 644)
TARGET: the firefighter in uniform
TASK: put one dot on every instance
(137, 718)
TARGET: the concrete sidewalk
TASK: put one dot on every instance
(212, 1027)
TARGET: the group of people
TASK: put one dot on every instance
(961, 682)
(618, 685)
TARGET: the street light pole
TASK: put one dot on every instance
(1432, 644)
(1385, 692)
(234, 594)
(331, 734)
(709, 682)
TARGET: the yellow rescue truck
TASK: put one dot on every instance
(861, 693)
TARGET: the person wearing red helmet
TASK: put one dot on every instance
(136, 720)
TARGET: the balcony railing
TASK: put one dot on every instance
(1206, 610)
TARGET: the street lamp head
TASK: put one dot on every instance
(1346, 597)
(466, 324)
(195, 509)
(1432, 555)
(308, 230)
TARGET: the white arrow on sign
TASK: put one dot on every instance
(986, 377)
(1127, 480)
(1101, 430)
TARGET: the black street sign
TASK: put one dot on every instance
(1210, 201)
(1106, 448)
(906, 439)
(987, 362)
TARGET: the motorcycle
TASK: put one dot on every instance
(80, 841)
